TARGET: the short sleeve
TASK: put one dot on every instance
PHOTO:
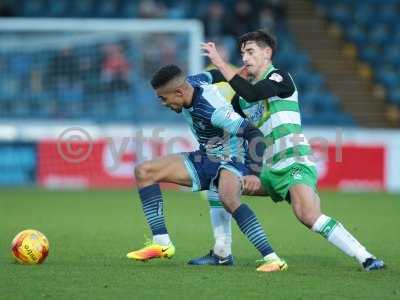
(226, 118)
(201, 78)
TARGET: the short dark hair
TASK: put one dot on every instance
(261, 37)
(164, 75)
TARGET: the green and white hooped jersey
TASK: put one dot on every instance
(279, 120)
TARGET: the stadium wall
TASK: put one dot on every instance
(94, 156)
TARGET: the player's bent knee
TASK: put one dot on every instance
(143, 172)
(230, 206)
(229, 196)
(229, 190)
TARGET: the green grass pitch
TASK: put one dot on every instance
(90, 233)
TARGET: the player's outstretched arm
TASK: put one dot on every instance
(277, 84)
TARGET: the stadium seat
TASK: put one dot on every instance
(128, 9)
(391, 55)
(378, 35)
(341, 13)
(356, 34)
(30, 8)
(394, 96)
(388, 14)
(82, 8)
(370, 54)
(107, 9)
(388, 77)
(59, 8)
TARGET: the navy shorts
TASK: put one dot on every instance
(204, 170)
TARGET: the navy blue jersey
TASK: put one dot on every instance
(213, 121)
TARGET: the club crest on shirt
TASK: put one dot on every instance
(276, 77)
(255, 112)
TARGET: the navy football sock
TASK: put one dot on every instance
(249, 225)
(152, 204)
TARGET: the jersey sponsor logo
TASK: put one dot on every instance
(276, 77)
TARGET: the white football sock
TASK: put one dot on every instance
(161, 239)
(272, 255)
(221, 224)
(335, 233)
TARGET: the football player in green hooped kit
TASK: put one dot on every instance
(269, 99)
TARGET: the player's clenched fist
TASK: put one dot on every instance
(251, 184)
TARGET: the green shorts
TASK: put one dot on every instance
(278, 183)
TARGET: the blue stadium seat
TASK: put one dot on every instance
(129, 9)
(82, 8)
(387, 13)
(341, 13)
(363, 13)
(107, 9)
(30, 8)
(394, 96)
(59, 8)
(387, 77)
(356, 34)
(370, 54)
(379, 35)
(391, 55)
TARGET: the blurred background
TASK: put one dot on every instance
(85, 65)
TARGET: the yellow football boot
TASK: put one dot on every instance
(272, 265)
(152, 250)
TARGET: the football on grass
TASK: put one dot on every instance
(30, 247)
